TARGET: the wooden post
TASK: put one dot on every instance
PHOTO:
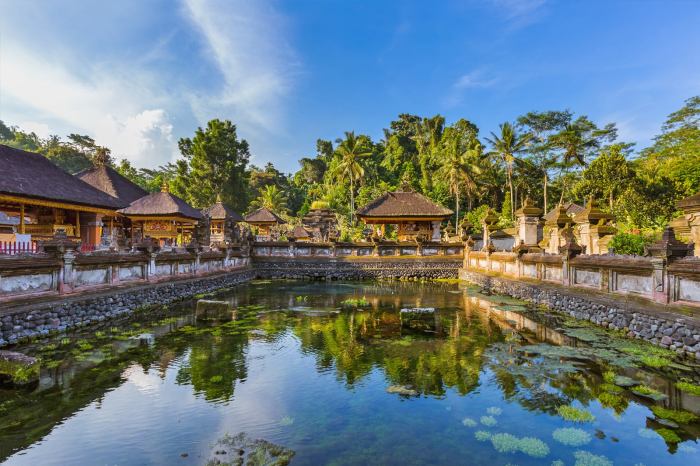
(21, 219)
(77, 224)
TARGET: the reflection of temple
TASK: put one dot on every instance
(416, 216)
(45, 200)
(162, 216)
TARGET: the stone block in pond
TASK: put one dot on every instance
(18, 368)
(211, 310)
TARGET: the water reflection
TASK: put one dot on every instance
(471, 345)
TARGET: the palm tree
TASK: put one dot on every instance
(351, 151)
(271, 198)
(506, 146)
(458, 169)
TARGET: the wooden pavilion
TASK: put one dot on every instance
(223, 220)
(109, 181)
(263, 220)
(47, 200)
(416, 216)
(162, 216)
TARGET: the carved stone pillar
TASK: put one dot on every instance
(595, 228)
(529, 224)
(691, 209)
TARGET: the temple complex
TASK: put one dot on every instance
(415, 216)
(45, 200)
(263, 222)
(162, 216)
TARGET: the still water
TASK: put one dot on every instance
(303, 374)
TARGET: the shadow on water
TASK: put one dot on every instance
(472, 344)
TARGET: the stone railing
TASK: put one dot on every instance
(653, 278)
(65, 271)
(355, 250)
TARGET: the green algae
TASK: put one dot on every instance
(494, 411)
(531, 446)
(572, 437)
(469, 422)
(688, 387)
(488, 421)
(19, 371)
(648, 392)
(573, 414)
(681, 417)
(482, 435)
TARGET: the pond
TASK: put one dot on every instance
(336, 373)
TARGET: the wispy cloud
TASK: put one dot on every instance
(247, 42)
(475, 79)
(117, 108)
(520, 13)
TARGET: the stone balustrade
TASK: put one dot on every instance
(356, 249)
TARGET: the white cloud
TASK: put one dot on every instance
(520, 13)
(476, 79)
(115, 108)
(246, 41)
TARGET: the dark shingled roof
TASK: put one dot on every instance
(220, 211)
(263, 216)
(403, 204)
(162, 204)
(33, 175)
(571, 210)
(109, 181)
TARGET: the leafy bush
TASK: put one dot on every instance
(626, 243)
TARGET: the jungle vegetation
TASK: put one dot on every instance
(549, 156)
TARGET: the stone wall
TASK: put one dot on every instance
(356, 269)
(665, 329)
(57, 317)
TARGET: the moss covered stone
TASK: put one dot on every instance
(19, 368)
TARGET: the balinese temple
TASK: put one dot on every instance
(163, 217)
(416, 216)
(299, 233)
(222, 222)
(46, 200)
(109, 181)
(320, 223)
(263, 220)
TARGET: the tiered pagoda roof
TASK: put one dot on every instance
(403, 205)
(108, 180)
(263, 216)
(220, 211)
(162, 204)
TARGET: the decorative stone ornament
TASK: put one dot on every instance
(691, 209)
(529, 225)
(668, 246)
(594, 228)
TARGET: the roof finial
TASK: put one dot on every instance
(218, 197)
(164, 188)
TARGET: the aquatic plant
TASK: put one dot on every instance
(534, 447)
(648, 392)
(570, 413)
(355, 302)
(84, 345)
(531, 446)
(572, 436)
(609, 377)
(494, 411)
(286, 421)
(688, 387)
(668, 435)
(65, 341)
(611, 400)
(20, 370)
(558, 463)
(611, 388)
(654, 361)
(488, 421)
(482, 435)
(681, 417)
(469, 422)
(586, 458)
(505, 443)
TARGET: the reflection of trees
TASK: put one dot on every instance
(216, 362)
(355, 342)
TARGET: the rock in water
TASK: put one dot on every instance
(418, 310)
(211, 310)
(19, 368)
(401, 390)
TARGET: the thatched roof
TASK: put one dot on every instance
(108, 180)
(220, 211)
(300, 232)
(26, 174)
(403, 204)
(263, 215)
(162, 204)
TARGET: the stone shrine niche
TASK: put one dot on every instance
(594, 228)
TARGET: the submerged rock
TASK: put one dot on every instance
(401, 390)
(18, 368)
(210, 310)
(242, 450)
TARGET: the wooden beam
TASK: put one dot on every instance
(21, 219)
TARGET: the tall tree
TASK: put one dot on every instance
(215, 163)
(458, 168)
(507, 145)
(351, 152)
(271, 198)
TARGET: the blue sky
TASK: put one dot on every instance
(138, 75)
